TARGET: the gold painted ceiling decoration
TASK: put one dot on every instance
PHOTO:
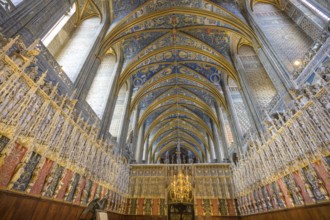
(176, 54)
(87, 9)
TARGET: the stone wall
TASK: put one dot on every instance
(278, 28)
(259, 83)
(61, 32)
(32, 19)
(305, 18)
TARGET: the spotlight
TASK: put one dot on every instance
(297, 62)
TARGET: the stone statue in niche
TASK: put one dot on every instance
(316, 184)
(249, 206)
(86, 191)
(244, 206)
(147, 208)
(266, 198)
(36, 173)
(48, 181)
(274, 200)
(69, 188)
(52, 181)
(262, 200)
(207, 207)
(280, 200)
(23, 181)
(309, 190)
(223, 207)
(59, 184)
(278, 196)
(294, 191)
(257, 201)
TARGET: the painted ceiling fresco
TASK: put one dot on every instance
(230, 5)
(176, 55)
(121, 8)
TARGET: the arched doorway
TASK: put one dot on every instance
(181, 211)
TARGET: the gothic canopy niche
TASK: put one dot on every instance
(176, 53)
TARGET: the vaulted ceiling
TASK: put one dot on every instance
(176, 53)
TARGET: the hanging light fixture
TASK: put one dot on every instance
(180, 190)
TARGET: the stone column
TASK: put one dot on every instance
(148, 154)
(91, 64)
(135, 119)
(212, 150)
(224, 138)
(248, 98)
(208, 155)
(232, 114)
(135, 130)
(25, 21)
(218, 145)
(139, 145)
(111, 102)
(84, 83)
(125, 120)
(145, 152)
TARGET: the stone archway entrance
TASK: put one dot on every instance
(181, 211)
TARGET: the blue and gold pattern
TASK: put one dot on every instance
(176, 54)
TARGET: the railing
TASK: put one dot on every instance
(33, 114)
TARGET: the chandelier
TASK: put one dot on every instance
(181, 188)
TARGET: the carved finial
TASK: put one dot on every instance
(64, 100)
(34, 44)
(54, 91)
(41, 80)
